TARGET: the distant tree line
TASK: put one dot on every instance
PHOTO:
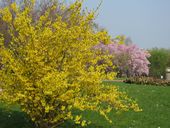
(160, 60)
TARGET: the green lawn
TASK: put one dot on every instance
(154, 100)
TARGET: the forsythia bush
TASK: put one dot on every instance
(49, 67)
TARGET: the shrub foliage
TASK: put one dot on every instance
(48, 67)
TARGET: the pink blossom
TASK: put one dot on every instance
(128, 58)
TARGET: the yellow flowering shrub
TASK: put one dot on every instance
(49, 68)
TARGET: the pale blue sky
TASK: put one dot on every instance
(147, 22)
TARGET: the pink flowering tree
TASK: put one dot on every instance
(128, 59)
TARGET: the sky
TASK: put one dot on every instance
(146, 22)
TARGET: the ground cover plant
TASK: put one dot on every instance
(154, 100)
(147, 81)
(49, 69)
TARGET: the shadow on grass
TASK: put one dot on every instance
(17, 119)
(13, 119)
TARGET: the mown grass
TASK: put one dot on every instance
(154, 100)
